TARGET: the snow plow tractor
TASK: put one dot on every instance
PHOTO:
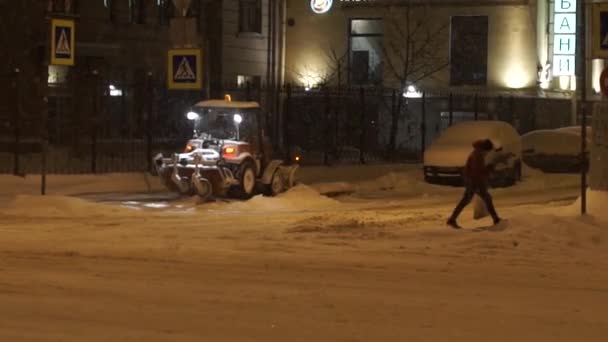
(229, 155)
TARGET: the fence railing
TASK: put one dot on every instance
(98, 126)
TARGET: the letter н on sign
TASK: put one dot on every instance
(564, 44)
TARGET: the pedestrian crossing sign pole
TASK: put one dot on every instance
(185, 69)
(63, 39)
(600, 30)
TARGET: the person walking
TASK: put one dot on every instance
(476, 174)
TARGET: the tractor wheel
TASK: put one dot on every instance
(247, 181)
(276, 184)
(202, 187)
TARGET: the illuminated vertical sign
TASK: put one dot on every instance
(564, 37)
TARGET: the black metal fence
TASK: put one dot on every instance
(94, 126)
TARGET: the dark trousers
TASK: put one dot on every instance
(469, 192)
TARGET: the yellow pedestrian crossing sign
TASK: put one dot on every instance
(184, 71)
(63, 39)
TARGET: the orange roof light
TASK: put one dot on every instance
(227, 98)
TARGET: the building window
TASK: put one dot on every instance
(62, 6)
(109, 5)
(250, 16)
(365, 51)
(132, 11)
(165, 11)
(469, 50)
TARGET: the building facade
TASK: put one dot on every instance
(494, 45)
(121, 49)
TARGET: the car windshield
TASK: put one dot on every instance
(467, 133)
(228, 124)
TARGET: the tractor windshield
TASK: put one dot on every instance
(226, 124)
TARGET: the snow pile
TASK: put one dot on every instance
(79, 184)
(529, 235)
(59, 206)
(348, 173)
(300, 198)
(596, 205)
(405, 183)
(409, 183)
(335, 188)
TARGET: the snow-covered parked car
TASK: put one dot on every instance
(554, 150)
(445, 159)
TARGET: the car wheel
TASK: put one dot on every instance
(276, 184)
(247, 181)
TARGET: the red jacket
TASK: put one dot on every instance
(475, 171)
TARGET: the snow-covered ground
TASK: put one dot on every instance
(114, 258)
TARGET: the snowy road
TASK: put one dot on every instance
(377, 265)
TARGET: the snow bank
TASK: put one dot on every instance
(405, 184)
(300, 198)
(79, 184)
(596, 205)
(349, 173)
(59, 206)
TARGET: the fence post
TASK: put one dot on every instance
(497, 113)
(394, 122)
(363, 128)
(512, 113)
(326, 131)
(151, 98)
(17, 122)
(475, 107)
(94, 122)
(248, 91)
(286, 117)
(451, 110)
(423, 127)
(44, 109)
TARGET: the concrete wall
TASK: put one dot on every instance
(512, 53)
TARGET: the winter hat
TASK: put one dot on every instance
(487, 145)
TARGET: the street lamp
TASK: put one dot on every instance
(237, 121)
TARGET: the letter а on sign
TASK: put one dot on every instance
(565, 23)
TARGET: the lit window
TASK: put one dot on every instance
(365, 53)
